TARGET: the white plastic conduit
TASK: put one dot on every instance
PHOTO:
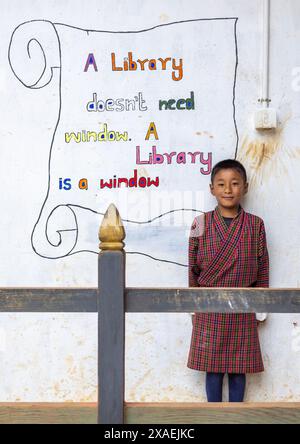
(265, 54)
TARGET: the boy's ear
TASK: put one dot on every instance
(246, 187)
(211, 189)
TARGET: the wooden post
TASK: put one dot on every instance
(111, 319)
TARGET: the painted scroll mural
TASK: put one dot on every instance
(141, 118)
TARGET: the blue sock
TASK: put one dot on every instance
(214, 386)
(237, 384)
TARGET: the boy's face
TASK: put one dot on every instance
(228, 187)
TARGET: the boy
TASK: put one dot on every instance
(227, 248)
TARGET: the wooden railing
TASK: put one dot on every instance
(112, 299)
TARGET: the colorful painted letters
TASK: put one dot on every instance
(129, 64)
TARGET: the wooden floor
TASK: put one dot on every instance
(154, 413)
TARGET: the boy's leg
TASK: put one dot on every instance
(237, 384)
(214, 386)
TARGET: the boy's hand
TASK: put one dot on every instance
(261, 318)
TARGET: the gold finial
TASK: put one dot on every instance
(111, 232)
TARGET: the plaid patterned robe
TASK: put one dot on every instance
(234, 256)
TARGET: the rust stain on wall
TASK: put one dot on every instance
(266, 156)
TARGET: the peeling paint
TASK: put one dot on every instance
(163, 17)
(204, 133)
(141, 171)
(143, 332)
(139, 382)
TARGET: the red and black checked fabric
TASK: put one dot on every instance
(221, 256)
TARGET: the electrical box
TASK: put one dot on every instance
(265, 118)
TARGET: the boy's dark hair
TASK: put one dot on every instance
(229, 163)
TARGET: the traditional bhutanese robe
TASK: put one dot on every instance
(221, 256)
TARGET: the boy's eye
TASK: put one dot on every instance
(233, 183)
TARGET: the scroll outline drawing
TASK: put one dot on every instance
(58, 66)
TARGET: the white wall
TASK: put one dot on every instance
(53, 357)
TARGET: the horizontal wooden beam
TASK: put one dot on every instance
(154, 300)
(154, 413)
(243, 300)
(64, 300)
(48, 413)
(212, 413)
